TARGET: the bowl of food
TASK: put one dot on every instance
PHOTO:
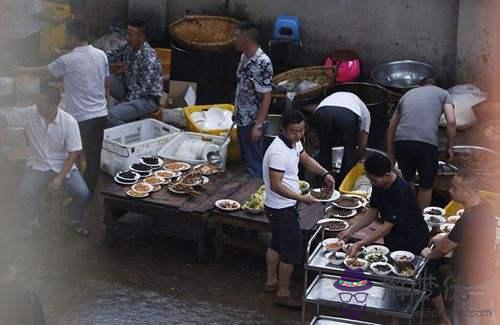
(434, 211)
(304, 187)
(402, 256)
(381, 268)
(142, 188)
(154, 180)
(354, 263)
(332, 224)
(332, 244)
(453, 219)
(405, 269)
(375, 257)
(227, 205)
(377, 249)
(336, 258)
(142, 169)
(434, 221)
(446, 227)
(127, 176)
(322, 194)
(348, 202)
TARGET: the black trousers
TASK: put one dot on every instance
(92, 133)
(337, 125)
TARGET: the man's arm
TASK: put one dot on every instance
(364, 221)
(314, 167)
(276, 177)
(391, 135)
(451, 128)
(265, 102)
(68, 165)
(444, 247)
(41, 72)
(362, 143)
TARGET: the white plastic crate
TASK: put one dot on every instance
(125, 144)
(169, 151)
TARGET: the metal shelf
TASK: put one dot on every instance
(318, 262)
(381, 298)
(328, 320)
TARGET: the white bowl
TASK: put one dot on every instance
(398, 256)
(453, 219)
(380, 249)
(328, 241)
(363, 267)
(374, 270)
(438, 223)
(441, 210)
(367, 258)
(333, 261)
(360, 253)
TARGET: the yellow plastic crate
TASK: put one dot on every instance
(451, 208)
(52, 36)
(350, 180)
(233, 152)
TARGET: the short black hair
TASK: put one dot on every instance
(139, 24)
(249, 29)
(291, 116)
(428, 81)
(377, 164)
(78, 29)
(51, 92)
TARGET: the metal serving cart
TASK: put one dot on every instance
(389, 295)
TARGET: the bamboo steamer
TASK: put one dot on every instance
(324, 76)
(204, 33)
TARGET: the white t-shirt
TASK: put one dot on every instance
(84, 71)
(49, 144)
(281, 156)
(353, 103)
(21, 17)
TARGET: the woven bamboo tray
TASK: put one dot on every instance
(324, 76)
(204, 33)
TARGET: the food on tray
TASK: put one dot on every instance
(141, 167)
(228, 204)
(128, 175)
(142, 187)
(361, 253)
(322, 193)
(377, 249)
(374, 257)
(151, 160)
(176, 166)
(334, 245)
(336, 225)
(382, 268)
(207, 169)
(355, 263)
(165, 173)
(153, 180)
(405, 268)
(336, 256)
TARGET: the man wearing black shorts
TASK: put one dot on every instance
(412, 137)
(403, 228)
(280, 172)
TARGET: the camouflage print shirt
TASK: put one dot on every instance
(143, 76)
(254, 77)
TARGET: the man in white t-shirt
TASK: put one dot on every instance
(280, 172)
(85, 71)
(342, 117)
(55, 145)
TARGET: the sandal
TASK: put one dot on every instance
(82, 231)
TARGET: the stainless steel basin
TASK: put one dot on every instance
(402, 75)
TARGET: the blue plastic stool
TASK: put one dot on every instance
(287, 29)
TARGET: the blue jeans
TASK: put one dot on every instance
(251, 152)
(34, 181)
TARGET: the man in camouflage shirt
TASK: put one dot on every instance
(137, 79)
(253, 96)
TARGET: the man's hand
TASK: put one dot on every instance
(256, 134)
(329, 181)
(354, 249)
(426, 252)
(344, 235)
(56, 183)
(308, 199)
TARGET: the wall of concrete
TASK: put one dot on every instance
(382, 30)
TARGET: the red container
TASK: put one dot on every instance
(349, 65)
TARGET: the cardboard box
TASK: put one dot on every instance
(181, 94)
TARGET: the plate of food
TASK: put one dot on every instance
(402, 256)
(167, 174)
(176, 166)
(434, 221)
(332, 224)
(377, 249)
(335, 258)
(361, 253)
(135, 194)
(140, 168)
(127, 176)
(381, 268)
(348, 202)
(434, 211)
(361, 199)
(406, 269)
(227, 205)
(325, 194)
(179, 188)
(191, 179)
(122, 182)
(336, 212)
(375, 257)
(332, 244)
(447, 227)
(207, 169)
(154, 180)
(152, 161)
(142, 188)
(355, 263)
(453, 219)
(156, 188)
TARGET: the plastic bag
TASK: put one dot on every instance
(465, 96)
